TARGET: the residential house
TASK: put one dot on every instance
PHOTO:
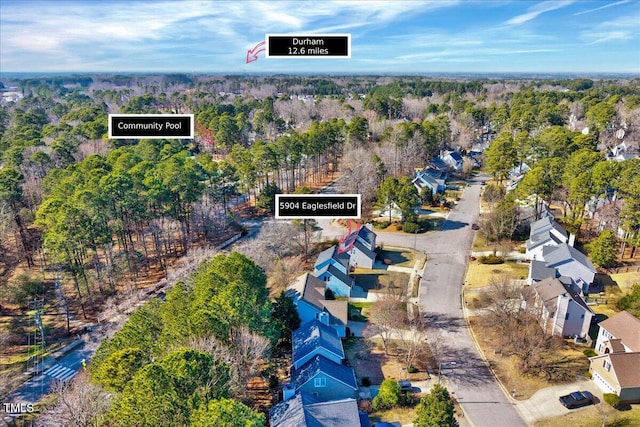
(558, 307)
(303, 410)
(452, 159)
(360, 245)
(617, 373)
(316, 338)
(620, 332)
(616, 369)
(392, 210)
(546, 232)
(518, 171)
(307, 292)
(431, 178)
(332, 268)
(569, 261)
(324, 379)
(564, 260)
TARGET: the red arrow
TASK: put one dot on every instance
(252, 54)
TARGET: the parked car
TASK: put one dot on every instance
(405, 386)
(576, 399)
(475, 226)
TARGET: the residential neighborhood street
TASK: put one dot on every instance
(448, 249)
(466, 373)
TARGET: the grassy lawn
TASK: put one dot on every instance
(398, 256)
(359, 311)
(566, 364)
(626, 280)
(592, 417)
(381, 280)
(479, 275)
(402, 415)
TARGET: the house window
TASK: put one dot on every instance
(582, 316)
(320, 382)
(607, 365)
(566, 316)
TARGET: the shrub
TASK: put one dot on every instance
(491, 259)
(410, 227)
(398, 226)
(328, 294)
(589, 352)
(381, 225)
(522, 250)
(388, 396)
(612, 399)
(412, 370)
(588, 375)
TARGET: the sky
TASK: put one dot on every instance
(413, 37)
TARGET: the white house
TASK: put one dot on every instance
(360, 245)
(620, 332)
(546, 232)
(559, 308)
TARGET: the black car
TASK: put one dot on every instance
(475, 226)
(576, 399)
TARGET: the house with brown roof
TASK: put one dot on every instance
(619, 333)
(617, 368)
(558, 307)
(617, 373)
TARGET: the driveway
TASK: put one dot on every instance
(545, 404)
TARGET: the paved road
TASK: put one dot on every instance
(468, 376)
(35, 388)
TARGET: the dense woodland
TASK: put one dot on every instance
(100, 213)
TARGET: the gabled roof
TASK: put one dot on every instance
(330, 253)
(366, 234)
(624, 326)
(365, 250)
(546, 224)
(313, 335)
(545, 237)
(625, 367)
(549, 290)
(321, 364)
(540, 271)
(303, 410)
(331, 269)
(555, 255)
(310, 289)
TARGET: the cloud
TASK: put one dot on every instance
(601, 7)
(537, 10)
(624, 28)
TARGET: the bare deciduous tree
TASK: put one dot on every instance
(385, 318)
(78, 403)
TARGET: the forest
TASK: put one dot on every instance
(107, 217)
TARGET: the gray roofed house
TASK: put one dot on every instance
(337, 280)
(362, 249)
(307, 292)
(313, 338)
(303, 410)
(325, 379)
(538, 271)
(546, 232)
(331, 256)
(569, 262)
(558, 306)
